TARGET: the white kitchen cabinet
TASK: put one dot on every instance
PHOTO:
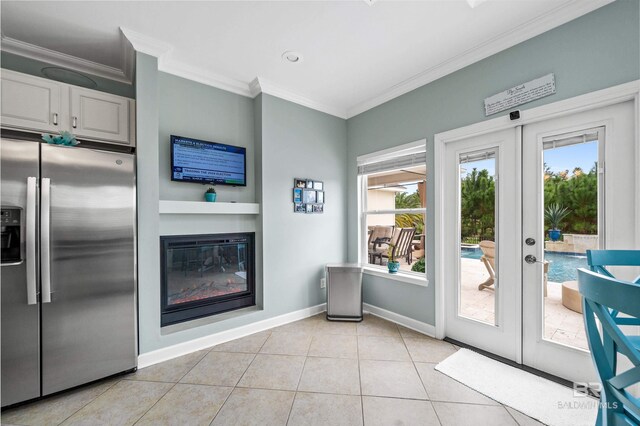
(31, 103)
(38, 104)
(97, 115)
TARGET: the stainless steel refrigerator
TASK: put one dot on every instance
(68, 275)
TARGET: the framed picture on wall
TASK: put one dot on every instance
(299, 208)
(308, 196)
(318, 208)
(309, 208)
(310, 184)
(319, 186)
(320, 197)
(299, 183)
(297, 195)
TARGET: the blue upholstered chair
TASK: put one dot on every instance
(602, 297)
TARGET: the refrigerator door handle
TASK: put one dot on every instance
(30, 232)
(45, 250)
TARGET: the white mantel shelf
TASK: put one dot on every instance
(203, 207)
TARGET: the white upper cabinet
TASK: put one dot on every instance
(38, 104)
(97, 115)
(31, 103)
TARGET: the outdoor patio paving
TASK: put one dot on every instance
(562, 325)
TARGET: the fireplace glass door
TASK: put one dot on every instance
(206, 274)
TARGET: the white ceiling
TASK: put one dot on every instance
(356, 55)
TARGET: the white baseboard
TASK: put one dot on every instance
(419, 326)
(170, 352)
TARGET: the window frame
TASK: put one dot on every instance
(417, 147)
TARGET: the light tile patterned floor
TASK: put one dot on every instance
(310, 372)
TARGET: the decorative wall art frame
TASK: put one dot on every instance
(308, 196)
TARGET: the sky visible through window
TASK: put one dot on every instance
(582, 155)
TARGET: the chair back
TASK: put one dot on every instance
(602, 296)
(598, 260)
(403, 242)
(380, 231)
(489, 252)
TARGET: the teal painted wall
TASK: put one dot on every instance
(203, 112)
(595, 51)
(284, 141)
(34, 67)
(303, 143)
(147, 191)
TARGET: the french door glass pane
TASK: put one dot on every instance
(478, 264)
(570, 174)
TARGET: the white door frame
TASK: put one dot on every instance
(600, 98)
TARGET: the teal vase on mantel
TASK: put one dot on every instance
(210, 197)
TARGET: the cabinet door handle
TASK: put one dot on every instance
(55, 118)
(74, 123)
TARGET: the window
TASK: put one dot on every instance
(393, 207)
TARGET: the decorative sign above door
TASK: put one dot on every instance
(520, 94)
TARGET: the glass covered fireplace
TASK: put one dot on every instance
(205, 275)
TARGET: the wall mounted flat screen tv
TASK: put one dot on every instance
(193, 160)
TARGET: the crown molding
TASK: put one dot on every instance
(145, 44)
(532, 28)
(31, 51)
(128, 57)
(166, 64)
(261, 85)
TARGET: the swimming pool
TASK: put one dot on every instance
(563, 266)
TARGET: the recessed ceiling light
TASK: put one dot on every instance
(291, 56)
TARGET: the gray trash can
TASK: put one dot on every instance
(344, 292)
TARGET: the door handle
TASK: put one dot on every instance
(55, 118)
(531, 259)
(45, 250)
(30, 231)
(74, 122)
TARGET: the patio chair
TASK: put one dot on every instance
(489, 259)
(401, 242)
(402, 246)
(603, 295)
(379, 240)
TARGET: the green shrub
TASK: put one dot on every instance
(418, 266)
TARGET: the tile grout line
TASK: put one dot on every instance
(295, 392)
(93, 399)
(171, 388)
(404, 343)
(419, 377)
(155, 403)
(245, 372)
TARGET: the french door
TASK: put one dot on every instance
(510, 287)
(482, 196)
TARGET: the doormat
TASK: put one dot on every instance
(539, 398)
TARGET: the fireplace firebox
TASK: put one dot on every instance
(204, 275)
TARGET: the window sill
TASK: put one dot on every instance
(398, 276)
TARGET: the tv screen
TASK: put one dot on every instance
(193, 160)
